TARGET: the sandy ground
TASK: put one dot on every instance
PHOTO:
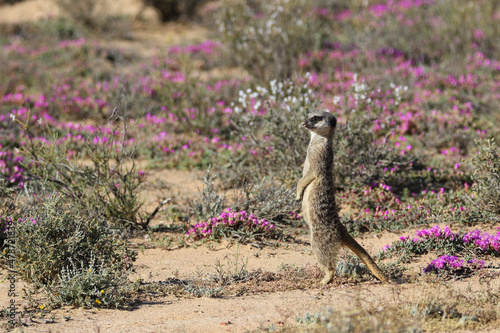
(32, 10)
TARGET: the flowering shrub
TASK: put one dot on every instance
(483, 241)
(230, 224)
(443, 239)
(451, 265)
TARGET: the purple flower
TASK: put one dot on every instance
(444, 262)
(448, 263)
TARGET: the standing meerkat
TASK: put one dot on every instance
(317, 192)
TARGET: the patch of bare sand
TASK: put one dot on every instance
(34, 10)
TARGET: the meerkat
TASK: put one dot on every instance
(317, 193)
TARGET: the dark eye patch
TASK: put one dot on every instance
(315, 119)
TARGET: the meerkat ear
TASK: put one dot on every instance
(333, 122)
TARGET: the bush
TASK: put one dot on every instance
(94, 285)
(267, 121)
(51, 235)
(249, 218)
(107, 185)
(485, 167)
(240, 225)
(8, 208)
(210, 203)
(269, 200)
(266, 37)
(424, 32)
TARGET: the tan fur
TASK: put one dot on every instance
(317, 192)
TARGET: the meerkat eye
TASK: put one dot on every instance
(315, 119)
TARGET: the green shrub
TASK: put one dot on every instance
(270, 201)
(52, 234)
(91, 285)
(210, 203)
(107, 185)
(485, 167)
(266, 37)
(267, 121)
(8, 207)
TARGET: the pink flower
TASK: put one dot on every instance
(478, 34)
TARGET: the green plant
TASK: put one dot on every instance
(268, 200)
(51, 234)
(485, 167)
(246, 228)
(232, 271)
(350, 266)
(266, 38)
(108, 186)
(267, 120)
(91, 285)
(275, 144)
(203, 291)
(210, 203)
(8, 207)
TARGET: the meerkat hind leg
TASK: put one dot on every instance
(327, 261)
(329, 274)
(354, 246)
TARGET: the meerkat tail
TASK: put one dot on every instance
(354, 246)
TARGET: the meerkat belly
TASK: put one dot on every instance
(318, 204)
(307, 202)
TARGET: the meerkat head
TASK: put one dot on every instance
(322, 123)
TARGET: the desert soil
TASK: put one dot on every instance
(245, 313)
